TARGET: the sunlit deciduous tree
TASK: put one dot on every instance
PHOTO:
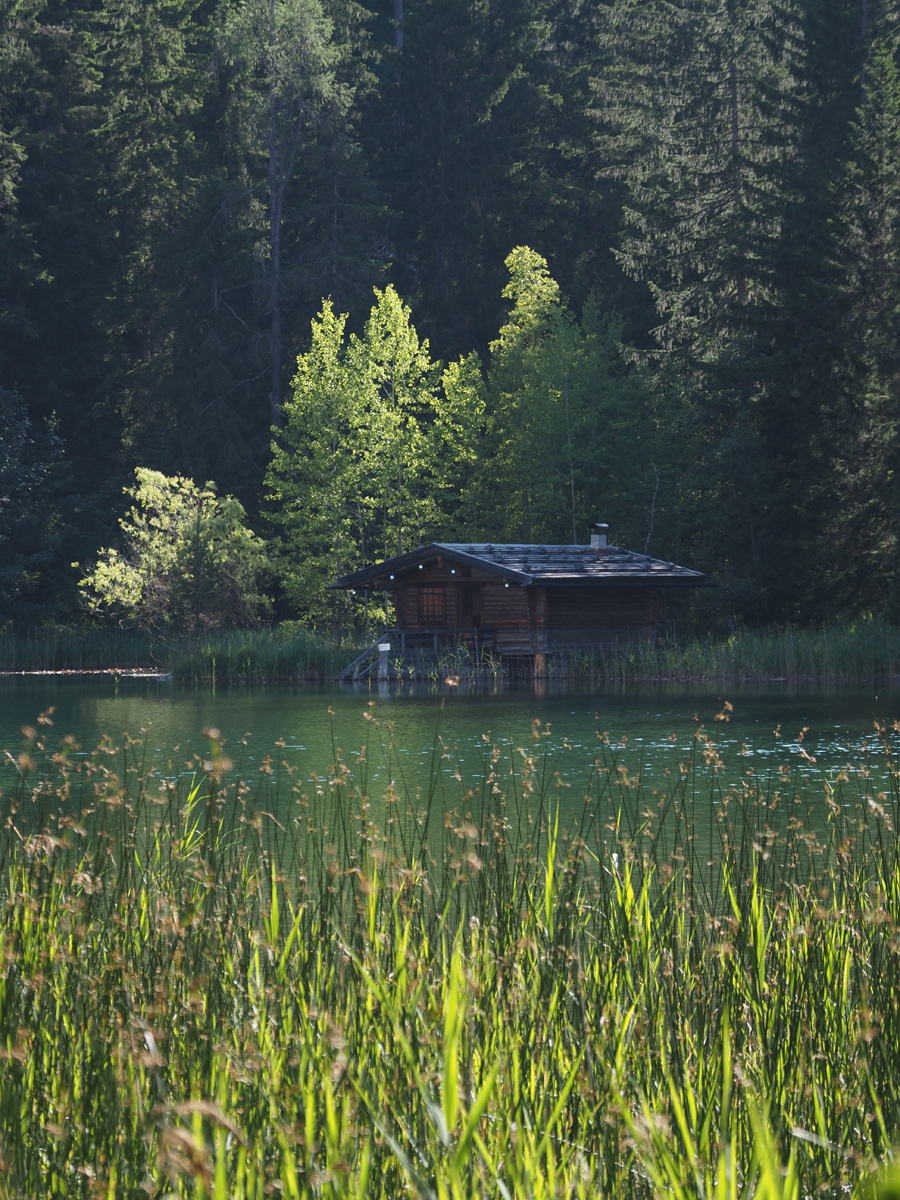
(374, 455)
(188, 561)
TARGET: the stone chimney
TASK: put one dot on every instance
(599, 538)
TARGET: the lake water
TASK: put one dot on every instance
(651, 726)
(777, 752)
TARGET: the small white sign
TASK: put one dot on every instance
(384, 647)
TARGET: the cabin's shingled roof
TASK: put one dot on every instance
(544, 566)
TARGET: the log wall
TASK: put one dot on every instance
(520, 621)
(583, 616)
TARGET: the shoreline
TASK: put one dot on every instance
(454, 681)
(865, 654)
(130, 672)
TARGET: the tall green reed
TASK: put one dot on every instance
(229, 658)
(865, 650)
(837, 654)
(61, 648)
(224, 982)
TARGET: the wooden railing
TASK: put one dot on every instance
(407, 641)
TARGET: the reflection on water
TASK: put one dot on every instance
(784, 737)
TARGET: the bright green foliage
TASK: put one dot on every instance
(226, 988)
(189, 563)
(572, 432)
(377, 442)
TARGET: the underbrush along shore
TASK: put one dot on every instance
(219, 983)
(867, 650)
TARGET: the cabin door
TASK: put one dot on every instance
(471, 606)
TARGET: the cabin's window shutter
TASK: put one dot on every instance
(433, 605)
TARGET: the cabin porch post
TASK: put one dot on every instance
(537, 605)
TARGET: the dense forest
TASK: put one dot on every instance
(543, 262)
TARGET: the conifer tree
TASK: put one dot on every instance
(798, 405)
(862, 538)
(56, 259)
(151, 60)
(292, 85)
(572, 431)
(704, 228)
(31, 527)
(18, 259)
(462, 109)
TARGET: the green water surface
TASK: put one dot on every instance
(652, 727)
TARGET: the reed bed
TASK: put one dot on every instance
(224, 984)
(261, 656)
(869, 650)
(285, 654)
(62, 648)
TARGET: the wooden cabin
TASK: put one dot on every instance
(523, 601)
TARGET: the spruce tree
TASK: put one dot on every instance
(291, 89)
(17, 270)
(152, 64)
(461, 112)
(33, 525)
(706, 154)
(573, 432)
(861, 540)
(56, 243)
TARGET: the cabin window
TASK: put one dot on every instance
(433, 605)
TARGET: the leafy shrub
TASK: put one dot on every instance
(189, 562)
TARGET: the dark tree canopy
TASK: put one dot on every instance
(711, 187)
(31, 523)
